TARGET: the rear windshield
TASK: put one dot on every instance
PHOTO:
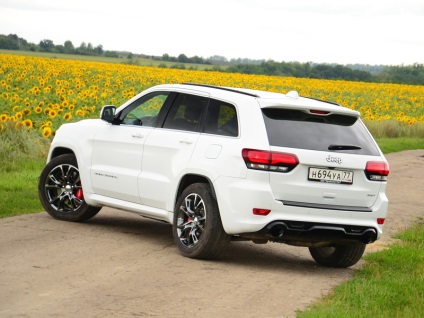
(297, 129)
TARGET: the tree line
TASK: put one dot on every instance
(13, 42)
(404, 74)
(410, 74)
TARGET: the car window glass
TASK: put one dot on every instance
(186, 112)
(145, 110)
(221, 119)
(297, 129)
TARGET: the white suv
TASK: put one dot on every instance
(224, 164)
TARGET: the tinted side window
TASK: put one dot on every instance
(186, 112)
(144, 111)
(221, 119)
(297, 129)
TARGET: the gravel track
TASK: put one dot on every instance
(122, 265)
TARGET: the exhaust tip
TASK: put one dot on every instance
(277, 231)
(369, 236)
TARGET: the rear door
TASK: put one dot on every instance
(333, 151)
(167, 150)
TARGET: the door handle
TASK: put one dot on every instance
(186, 141)
(137, 136)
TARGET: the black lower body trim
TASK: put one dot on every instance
(306, 233)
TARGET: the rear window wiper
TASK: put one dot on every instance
(343, 147)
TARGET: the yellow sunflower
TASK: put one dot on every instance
(52, 113)
(80, 113)
(47, 132)
(28, 123)
(67, 116)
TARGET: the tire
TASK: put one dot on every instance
(197, 227)
(60, 190)
(341, 256)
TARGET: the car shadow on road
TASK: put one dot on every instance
(270, 256)
(133, 225)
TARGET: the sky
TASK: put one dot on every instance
(375, 32)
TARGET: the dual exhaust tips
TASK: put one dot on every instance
(299, 231)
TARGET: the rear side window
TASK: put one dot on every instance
(186, 112)
(221, 119)
(297, 129)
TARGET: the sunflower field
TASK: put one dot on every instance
(42, 93)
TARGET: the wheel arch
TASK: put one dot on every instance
(58, 151)
(190, 179)
(82, 161)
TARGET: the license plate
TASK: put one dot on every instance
(330, 176)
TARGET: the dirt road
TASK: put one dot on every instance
(122, 265)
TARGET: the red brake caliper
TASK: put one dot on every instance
(79, 194)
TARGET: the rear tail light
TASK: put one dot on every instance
(269, 161)
(377, 170)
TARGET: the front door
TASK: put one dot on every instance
(118, 149)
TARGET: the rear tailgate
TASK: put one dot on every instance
(333, 147)
(325, 178)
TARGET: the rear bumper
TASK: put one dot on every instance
(319, 221)
(310, 233)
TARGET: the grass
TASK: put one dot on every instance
(391, 284)
(388, 145)
(18, 189)
(395, 129)
(22, 154)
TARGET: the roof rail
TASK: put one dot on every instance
(222, 88)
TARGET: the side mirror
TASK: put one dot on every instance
(108, 113)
